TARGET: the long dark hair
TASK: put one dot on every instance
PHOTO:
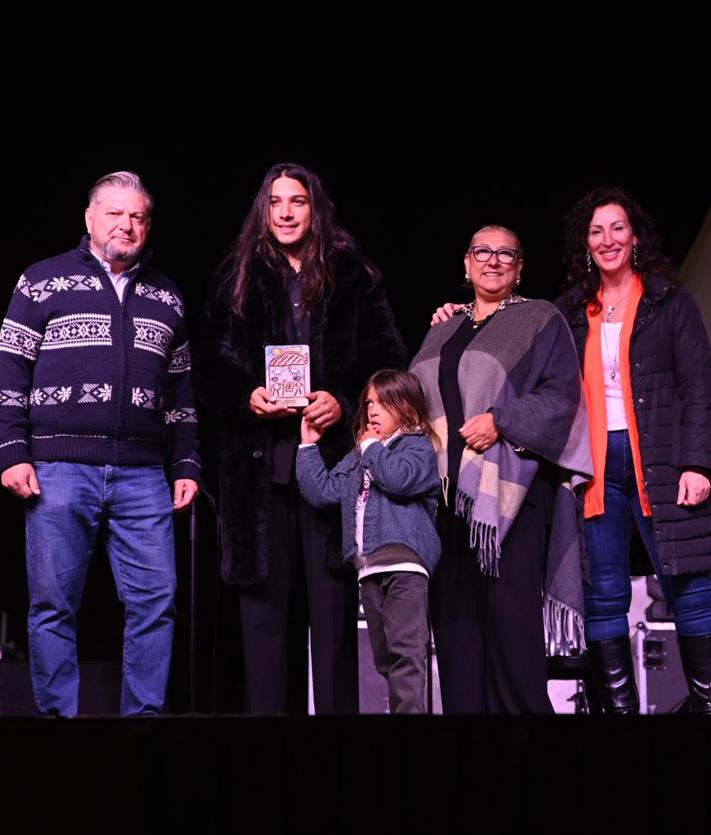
(401, 393)
(649, 258)
(324, 239)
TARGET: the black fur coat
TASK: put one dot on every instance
(352, 335)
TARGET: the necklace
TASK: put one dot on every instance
(611, 308)
(615, 363)
(469, 310)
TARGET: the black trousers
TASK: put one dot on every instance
(300, 592)
(395, 606)
(489, 630)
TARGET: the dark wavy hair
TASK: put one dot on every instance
(649, 258)
(324, 239)
(401, 393)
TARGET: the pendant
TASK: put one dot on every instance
(613, 374)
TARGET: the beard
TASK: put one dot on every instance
(122, 252)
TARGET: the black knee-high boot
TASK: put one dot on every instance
(695, 654)
(611, 662)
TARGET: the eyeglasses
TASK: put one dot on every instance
(506, 255)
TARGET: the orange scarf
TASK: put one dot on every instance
(594, 385)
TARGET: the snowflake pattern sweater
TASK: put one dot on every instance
(87, 378)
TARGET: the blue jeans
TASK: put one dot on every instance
(607, 537)
(131, 509)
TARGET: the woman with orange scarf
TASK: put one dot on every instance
(647, 372)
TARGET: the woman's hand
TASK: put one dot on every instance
(694, 489)
(480, 432)
(324, 410)
(443, 313)
(264, 405)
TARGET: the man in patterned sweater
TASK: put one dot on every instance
(96, 406)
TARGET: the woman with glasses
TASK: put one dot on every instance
(647, 369)
(503, 393)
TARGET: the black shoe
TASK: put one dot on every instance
(611, 662)
(695, 654)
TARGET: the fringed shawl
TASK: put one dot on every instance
(523, 368)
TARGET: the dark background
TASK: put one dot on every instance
(411, 197)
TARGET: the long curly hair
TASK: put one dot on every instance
(649, 257)
(324, 239)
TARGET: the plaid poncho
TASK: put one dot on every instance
(523, 367)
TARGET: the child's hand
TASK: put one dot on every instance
(369, 433)
(310, 433)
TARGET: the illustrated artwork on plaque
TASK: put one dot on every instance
(288, 376)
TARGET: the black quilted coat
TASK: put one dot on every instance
(670, 363)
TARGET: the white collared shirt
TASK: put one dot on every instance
(121, 281)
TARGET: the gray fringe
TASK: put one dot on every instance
(564, 628)
(444, 481)
(483, 536)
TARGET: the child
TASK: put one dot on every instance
(387, 488)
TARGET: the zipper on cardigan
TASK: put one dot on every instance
(122, 372)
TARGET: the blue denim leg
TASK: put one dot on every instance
(688, 595)
(61, 527)
(608, 596)
(607, 538)
(141, 549)
(132, 507)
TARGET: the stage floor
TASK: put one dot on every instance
(367, 774)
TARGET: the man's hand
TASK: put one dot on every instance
(324, 410)
(265, 406)
(185, 491)
(21, 480)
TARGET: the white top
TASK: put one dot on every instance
(119, 281)
(610, 339)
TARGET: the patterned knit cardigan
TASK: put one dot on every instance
(86, 378)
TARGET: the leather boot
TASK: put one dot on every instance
(695, 654)
(613, 671)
